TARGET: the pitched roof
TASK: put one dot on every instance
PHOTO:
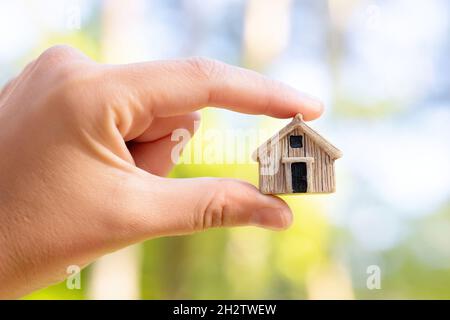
(297, 121)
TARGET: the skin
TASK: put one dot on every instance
(85, 147)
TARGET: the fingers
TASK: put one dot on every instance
(155, 151)
(60, 54)
(170, 88)
(207, 202)
(162, 127)
(181, 206)
(154, 157)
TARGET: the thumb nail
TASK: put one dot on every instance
(273, 218)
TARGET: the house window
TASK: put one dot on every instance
(296, 141)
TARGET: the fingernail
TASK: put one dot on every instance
(273, 218)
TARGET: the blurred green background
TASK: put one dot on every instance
(382, 69)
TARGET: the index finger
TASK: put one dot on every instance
(177, 87)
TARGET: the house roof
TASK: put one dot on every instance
(296, 122)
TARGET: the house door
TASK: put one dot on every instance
(299, 177)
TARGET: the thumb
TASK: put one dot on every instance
(181, 206)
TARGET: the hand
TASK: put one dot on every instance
(84, 147)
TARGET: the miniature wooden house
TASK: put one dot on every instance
(296, 160)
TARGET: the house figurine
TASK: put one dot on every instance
(296, 160)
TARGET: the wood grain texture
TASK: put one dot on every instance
(278, 155)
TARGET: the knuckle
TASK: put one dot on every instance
(213, 214)
(269, 85)
(206, 68)
(67, 92)
(55, 54)
(66, 76)
(72, 84)
(64, 67)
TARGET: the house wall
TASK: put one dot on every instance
(323, 167)
(322, 174)
(273, 183)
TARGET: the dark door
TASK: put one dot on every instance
(299, 177)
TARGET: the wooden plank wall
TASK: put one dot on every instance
(323, 166)
(309, 152)
(273, 184)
